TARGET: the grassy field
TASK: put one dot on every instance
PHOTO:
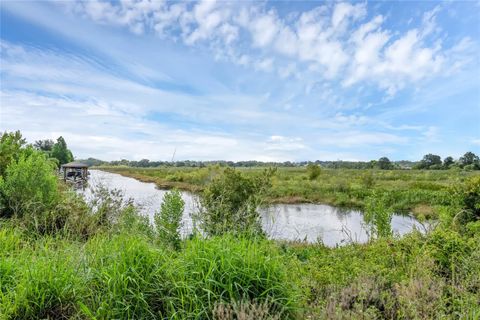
(416, 191)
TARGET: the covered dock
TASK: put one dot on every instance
(75, 170)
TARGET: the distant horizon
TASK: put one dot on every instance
(271, 81)
(253, 160)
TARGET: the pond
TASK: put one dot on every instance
(310, 222)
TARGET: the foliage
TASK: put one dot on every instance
(448, 162)
(44, 145)
(470, 159)
(378, 215)
(29, 188)
(468, 197)
(384, 163)
(430, 161)
(228, 269)
(11, 145)
(128, 277)
(313, 171)
(230, 202)
(61, 152)
(103, 260)
(169, 220)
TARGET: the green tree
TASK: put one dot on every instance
(169, 220)
(230, 203)
(448, 162)
(11, 145)
(44, 145)
(430, 161)
(470, 158)
(61, 152)
(384, 163)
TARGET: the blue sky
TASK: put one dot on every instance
(270, 81)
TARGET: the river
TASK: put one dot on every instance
(310, 222)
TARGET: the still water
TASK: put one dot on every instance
(310, 222)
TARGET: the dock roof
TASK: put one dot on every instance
(74, 164)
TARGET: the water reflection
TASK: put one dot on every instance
(309, 222)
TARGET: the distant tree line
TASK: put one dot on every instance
(469, 161)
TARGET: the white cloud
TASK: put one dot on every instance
(325, 39)
(264, 28)
(344, 11)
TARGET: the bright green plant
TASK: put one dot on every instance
(378, 216)
(11, 146)
(30, 187)
(231, 201)
(169, 220)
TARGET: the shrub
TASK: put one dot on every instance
(11, 145)
(169, 220)
(313, 171)
(107, 205)
(230, 203)
(378, 215)
(468, 197)
(29, 187)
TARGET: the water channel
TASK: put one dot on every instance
(310, 222)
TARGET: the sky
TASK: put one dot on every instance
(268, 81)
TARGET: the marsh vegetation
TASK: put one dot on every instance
(64, 258)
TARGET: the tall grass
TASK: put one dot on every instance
(130, 277)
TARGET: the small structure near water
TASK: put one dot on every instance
(75, 171)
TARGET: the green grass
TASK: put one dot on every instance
(122, 275)
(417, 191)
(126, 276)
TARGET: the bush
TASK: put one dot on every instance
(313, 171)
(378, 216)
(230, 203)
(29, 188)
(469, 196)
(169, 220)
(11, 146)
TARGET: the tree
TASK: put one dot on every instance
(384, 163)
(11, 145)
(430, 160)
(169, 220)
(447, 162)
(61, 152)
(470, 158)
(44, 145)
